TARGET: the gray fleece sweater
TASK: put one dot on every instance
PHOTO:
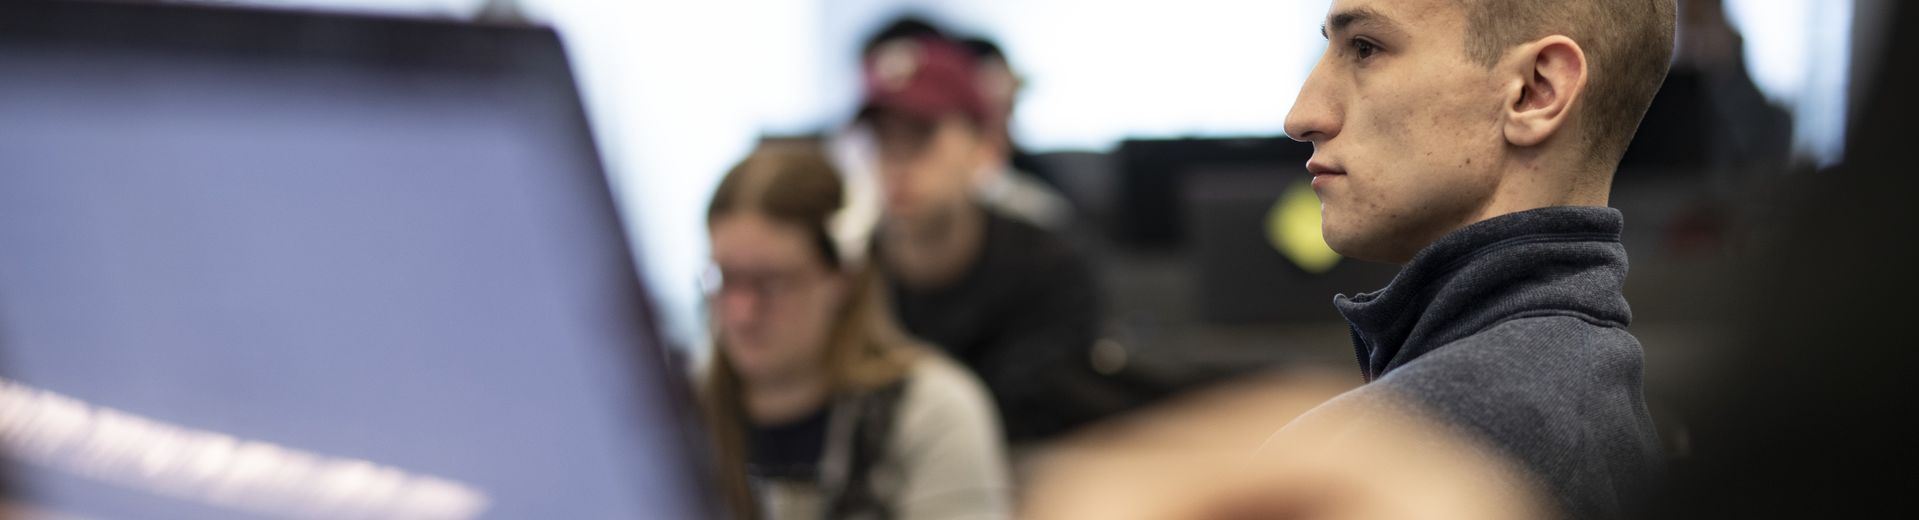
(1513, 331)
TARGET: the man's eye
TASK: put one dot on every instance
(1364, 49)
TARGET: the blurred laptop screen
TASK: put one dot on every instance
(276, 264)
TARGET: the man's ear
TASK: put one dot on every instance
(1552, 78)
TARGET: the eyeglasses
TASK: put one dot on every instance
(765, 285)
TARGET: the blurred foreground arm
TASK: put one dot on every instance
(1226, 456)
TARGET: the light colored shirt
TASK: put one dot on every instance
(945, 458)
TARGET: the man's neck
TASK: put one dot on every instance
(1527, 184)
(784, 399)
(935, 251)
(1532, 185)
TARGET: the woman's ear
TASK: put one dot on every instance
(1552, 80)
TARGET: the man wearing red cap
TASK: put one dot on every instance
(1014, 302)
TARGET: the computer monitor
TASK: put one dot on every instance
(1152, 177)
(275, 264)
(1241, 273)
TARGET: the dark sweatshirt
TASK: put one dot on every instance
(1513, 331)
(1023, 317)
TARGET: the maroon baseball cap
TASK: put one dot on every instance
(923, 77)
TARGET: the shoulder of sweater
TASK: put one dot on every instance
(940, 392)
(945, 408)
(1518, 358)
(1546, 333)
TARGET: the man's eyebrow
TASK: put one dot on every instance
(1339, 22)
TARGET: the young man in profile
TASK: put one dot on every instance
(1474, 143)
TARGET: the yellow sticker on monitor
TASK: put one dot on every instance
(1293, 228)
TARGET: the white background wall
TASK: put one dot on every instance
(678, 90)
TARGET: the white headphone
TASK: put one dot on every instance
(851, 228)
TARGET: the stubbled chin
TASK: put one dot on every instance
(908, 213)
(1334, 236)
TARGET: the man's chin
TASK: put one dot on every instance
(904, 211)
(1357, 248)
(1337, 240)
(921, 215)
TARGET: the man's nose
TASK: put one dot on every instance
(1316, 113)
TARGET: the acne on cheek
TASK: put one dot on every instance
(1377, 210)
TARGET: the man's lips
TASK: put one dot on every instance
(1319, 168)
(1323, 173)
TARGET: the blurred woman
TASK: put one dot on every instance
(821, 407)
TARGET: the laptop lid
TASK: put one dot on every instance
(275, 264)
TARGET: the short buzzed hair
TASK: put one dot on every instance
(1628, 46)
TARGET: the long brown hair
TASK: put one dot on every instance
(795, 183)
